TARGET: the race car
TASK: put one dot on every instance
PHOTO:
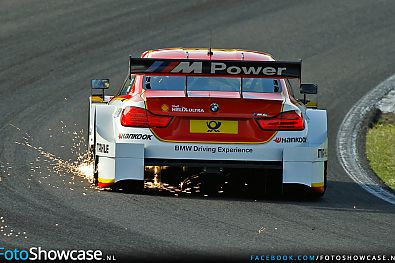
(208, 110)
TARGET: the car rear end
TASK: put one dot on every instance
(216, 124)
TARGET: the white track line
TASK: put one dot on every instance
(346, 144)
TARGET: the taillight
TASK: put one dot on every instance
(139, 117)
(285, 121)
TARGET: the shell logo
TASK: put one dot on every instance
(165, 107)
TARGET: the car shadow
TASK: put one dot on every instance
(339, 196)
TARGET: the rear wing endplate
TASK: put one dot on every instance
(216, 68)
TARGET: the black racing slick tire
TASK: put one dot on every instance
(298, 191)
(130, 186)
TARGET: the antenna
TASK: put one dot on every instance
(210, 53)
(186, 77)
(241, 78)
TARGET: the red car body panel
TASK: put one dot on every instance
(233, 107)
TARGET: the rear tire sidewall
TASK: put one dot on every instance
(92, 150)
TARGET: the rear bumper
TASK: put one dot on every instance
(213, 163)
(298, 165)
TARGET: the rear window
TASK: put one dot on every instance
(263, 85)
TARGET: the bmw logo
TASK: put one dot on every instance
(214, 107)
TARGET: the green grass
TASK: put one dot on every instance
(380, 150)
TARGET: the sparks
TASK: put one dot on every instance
(81, 167)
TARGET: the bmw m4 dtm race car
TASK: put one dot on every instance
(209, 111)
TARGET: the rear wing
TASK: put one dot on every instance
(216, 68)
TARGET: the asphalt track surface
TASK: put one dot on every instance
(51, 49)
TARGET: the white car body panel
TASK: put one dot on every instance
(123, 159)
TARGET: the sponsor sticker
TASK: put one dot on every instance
(178, 108)
(208, 149)
(290, 139)
(103, 148)
(199, 67)
(135, 136)
(322, 153)
(213, 126)
(165, 107)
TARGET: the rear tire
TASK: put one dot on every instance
(298, 191)
(95, 171)
(316, 194)
(130, 186)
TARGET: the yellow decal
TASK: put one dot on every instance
(317, 184)
(213, 126)
(105, 181)
(165, 107)
(97, 99)
(311, 104)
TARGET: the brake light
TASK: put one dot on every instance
(139, 117)
(285, 121)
